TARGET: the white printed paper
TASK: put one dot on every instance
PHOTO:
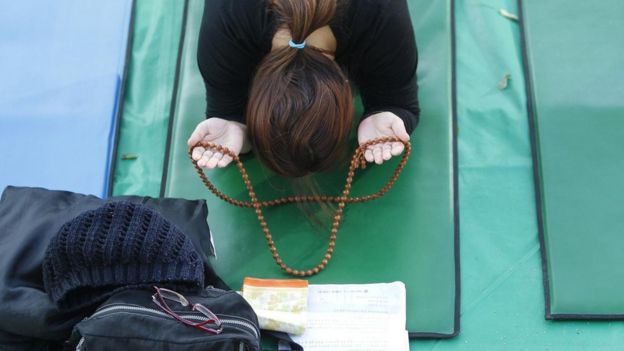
(355, 317)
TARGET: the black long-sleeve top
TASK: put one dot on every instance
(376, 48)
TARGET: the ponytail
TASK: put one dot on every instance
(302, 17)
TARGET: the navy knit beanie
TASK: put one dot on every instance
(117, 246)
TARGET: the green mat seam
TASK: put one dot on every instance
(121, 101)
(457, 307)
(174, 99)
(534, 156)
(455, 172)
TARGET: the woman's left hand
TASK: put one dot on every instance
(380, 125)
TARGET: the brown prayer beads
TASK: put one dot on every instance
(357, 161)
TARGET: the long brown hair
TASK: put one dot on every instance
(299, 111)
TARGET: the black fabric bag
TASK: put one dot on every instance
(29, 217)
(130, 320)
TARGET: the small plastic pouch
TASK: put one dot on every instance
(281, 305)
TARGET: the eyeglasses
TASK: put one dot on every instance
(160, 299)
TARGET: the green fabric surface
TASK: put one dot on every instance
(576, 65)
(411, 240)
(502, 294)
(147, 100)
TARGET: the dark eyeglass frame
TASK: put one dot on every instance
(159, 298)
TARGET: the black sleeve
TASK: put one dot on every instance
(387, 78)
(227, 54)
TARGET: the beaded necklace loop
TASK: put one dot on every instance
(357, 161)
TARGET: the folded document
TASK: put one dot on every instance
(348, 317)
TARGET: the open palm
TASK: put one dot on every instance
(380, 125)
(229, 134)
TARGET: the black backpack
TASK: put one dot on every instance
(134, 320)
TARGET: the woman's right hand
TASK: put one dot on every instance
(229, 134)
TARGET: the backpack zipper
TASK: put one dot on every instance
(79, 346)
(225, 321)
(241, 346)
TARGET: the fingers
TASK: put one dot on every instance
(210, 159)
(397, 149)
(197, 153)
(386, 150)
(198, 134)
(225, 161)
(194, 139)
(383, 152)
(214, 160)
(378, 154)
(398, 127)
(368, 155)
(206, 156)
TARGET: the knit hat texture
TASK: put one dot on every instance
(117, 246)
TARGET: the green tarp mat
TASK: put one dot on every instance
(502, 295)
(139, 157)
(575, 79)
(413, 240)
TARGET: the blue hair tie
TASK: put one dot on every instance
(295, 45)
